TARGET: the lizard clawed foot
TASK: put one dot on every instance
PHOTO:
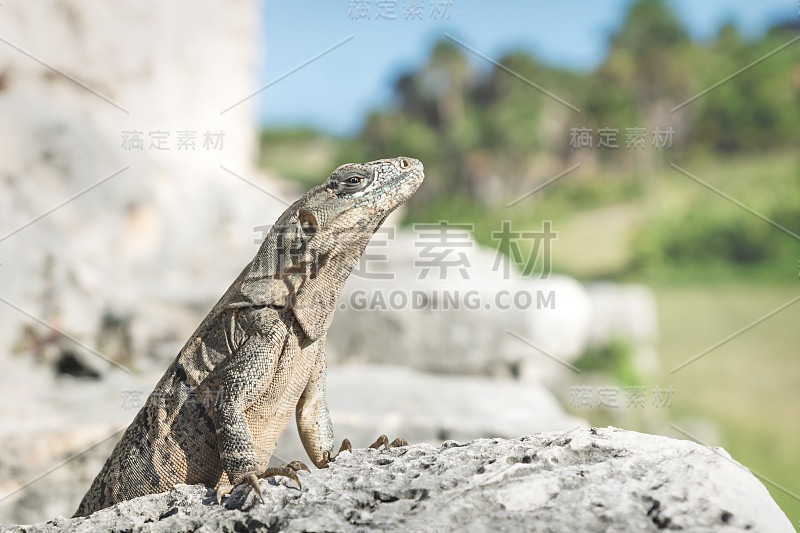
(384, 441)
(288, 470)
(224, 489)
(327, 457)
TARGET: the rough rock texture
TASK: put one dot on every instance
(63, 416)
(598, 480)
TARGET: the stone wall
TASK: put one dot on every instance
(94, 226)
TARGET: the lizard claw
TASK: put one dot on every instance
(252, 480)
(399, 442)
(288, 470)
(384, 441)
(298, 465)
(327, 457)
(345, 446)
(224, 489)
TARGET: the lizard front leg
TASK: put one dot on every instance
(314, 421)
(313, 418)
(245, 378)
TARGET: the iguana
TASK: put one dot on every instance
(217, 413)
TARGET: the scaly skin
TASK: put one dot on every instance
(217, 413)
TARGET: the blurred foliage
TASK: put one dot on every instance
(615, 358)
(299, 154)
(696, 236)
(694, 233)
(486, 136)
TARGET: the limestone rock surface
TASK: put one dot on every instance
(588, 480)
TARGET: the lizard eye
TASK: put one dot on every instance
(351, 182)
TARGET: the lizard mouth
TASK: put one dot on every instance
(409, 182)
(382, 219)
(406, 184)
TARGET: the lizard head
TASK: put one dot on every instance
(337, 218)
(364, 194)
(340, 215)
(385, 183)
(307, 257)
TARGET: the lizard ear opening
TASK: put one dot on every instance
(308, 222)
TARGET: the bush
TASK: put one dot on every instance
(614, 358)
(710, 235)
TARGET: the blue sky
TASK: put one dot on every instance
(334, 92)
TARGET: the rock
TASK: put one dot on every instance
(62, 426)
(166, 232)
(627, 311)
(588, 480)
(62, 417)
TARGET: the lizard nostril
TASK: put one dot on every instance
(404, 163)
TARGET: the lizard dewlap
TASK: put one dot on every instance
(217, 413)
